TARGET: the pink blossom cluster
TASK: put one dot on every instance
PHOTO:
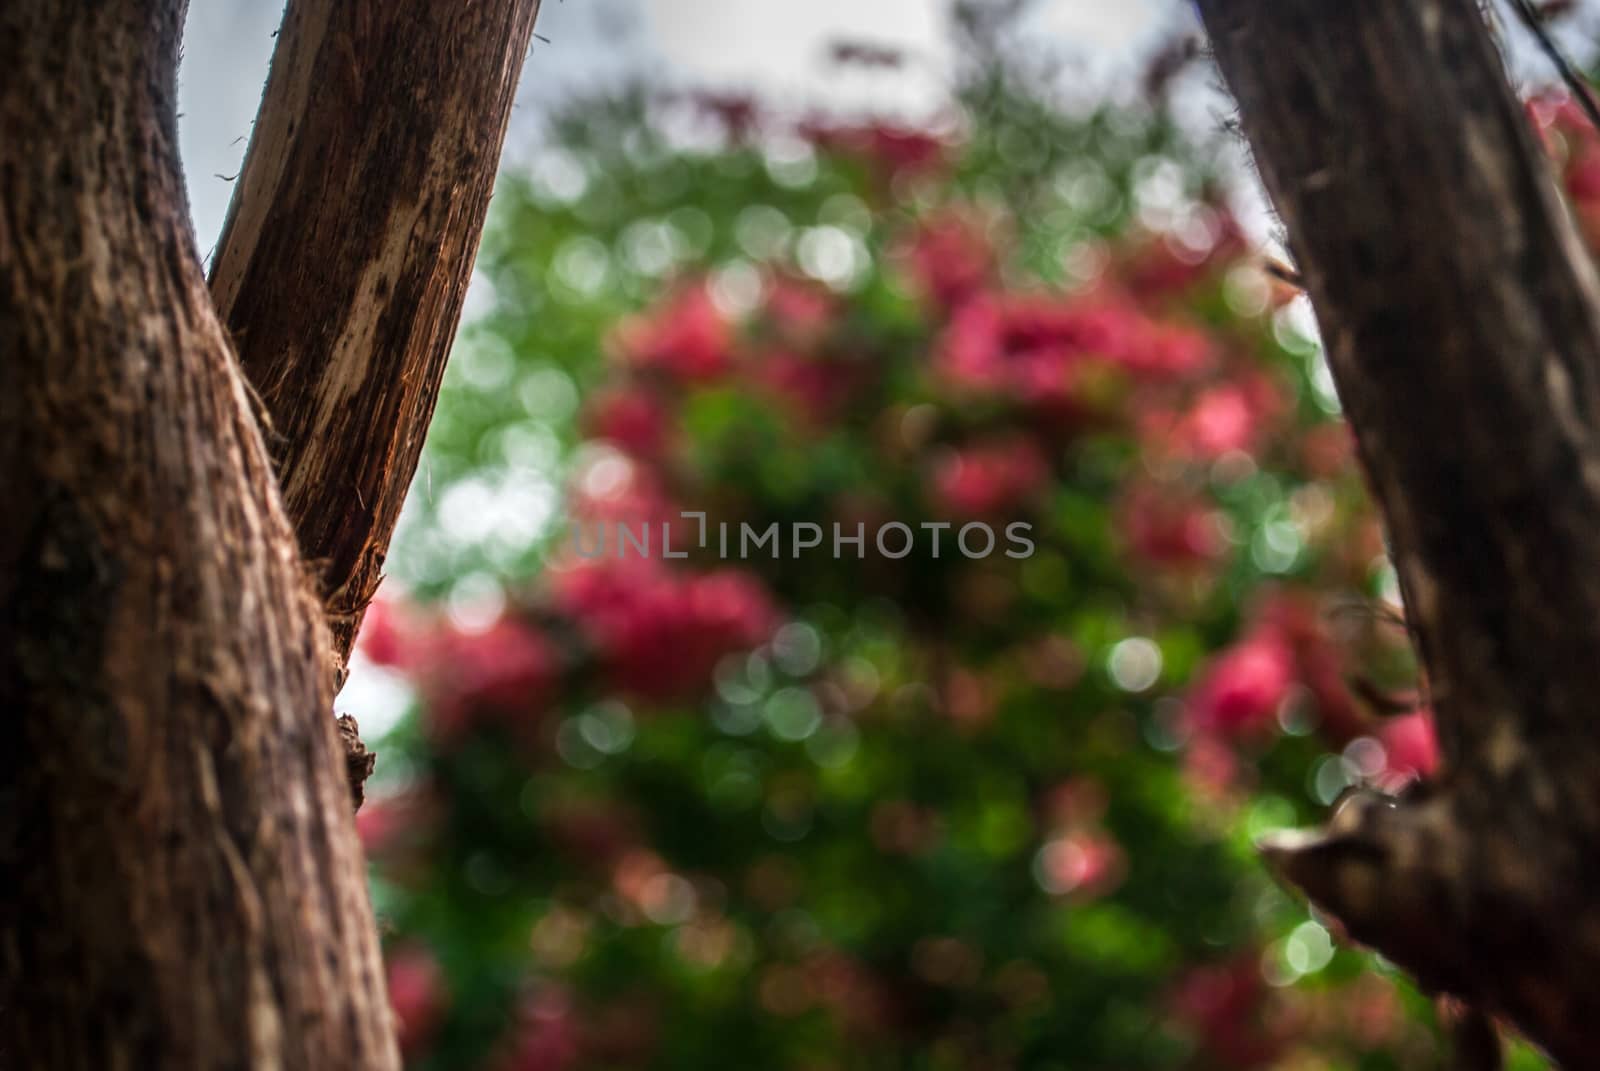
(507, 673)
(649, 631)
(893, 151)
(1246, 693)
(990, 478)
(685, 341)
(686, 337)
(1226, 1006)
(950, 257)
(1170, 526)
(1223, 418)
(1049, 352)
(657, 633)
(1573, 143)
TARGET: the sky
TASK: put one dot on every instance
(775, 47)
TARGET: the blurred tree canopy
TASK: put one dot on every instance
(844, 807)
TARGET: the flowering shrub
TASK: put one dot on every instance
(824, 804)
(1574, 147)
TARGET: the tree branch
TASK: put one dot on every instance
(183, 886)
(1459, 314)
(348, 248)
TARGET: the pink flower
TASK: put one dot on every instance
(383, 820)
(547, 1036)
(612, 491)
(633, 419)
(1555, 112)
(1222, 418)
(387, 635)
(1298, 620)
(1242, 689)
(1167, 266)
(989, 478)
(813, 388)
(1223, 1007)
(686, 338)
(1038, 350)
(949, 259)
(892, 151)
(417, 996)
(1572, 143)
(1210, 768)
(1170, 528)
(511, 671)
(731, 608)
(1085, 864)
(1029, 347)
(1411, 745)
(660, 634)
(1165, 351)
(901, 150)
(376, 824)
(1583, 174)
(800, 312)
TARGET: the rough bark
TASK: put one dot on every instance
(1459, 315)
(358, 761)
(348, 248)
(183, 884)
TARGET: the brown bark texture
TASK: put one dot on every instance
(183, 887)
(1459, 315)
(348, 249)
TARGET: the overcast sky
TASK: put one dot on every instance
(773, 46)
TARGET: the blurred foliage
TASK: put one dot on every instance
(857, 809)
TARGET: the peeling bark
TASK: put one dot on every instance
(348, 249)
(358, 761)
(1459, 314)
(183, 884)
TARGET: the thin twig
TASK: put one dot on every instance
(1282, 272)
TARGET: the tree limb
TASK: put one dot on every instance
(1459, 314)
(183, 886)
(348, 248)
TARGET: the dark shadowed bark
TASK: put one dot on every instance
(1459, 315)
(182, 883)
(183, 886)
(347, 252)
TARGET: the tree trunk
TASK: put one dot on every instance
(347, 251)
(183, 885)
(1459, 314)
